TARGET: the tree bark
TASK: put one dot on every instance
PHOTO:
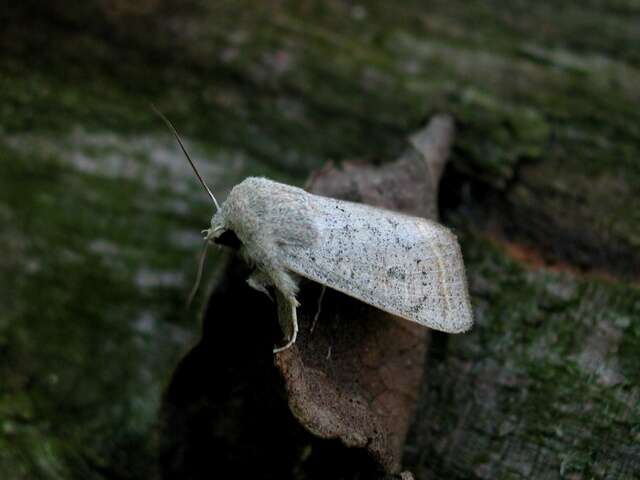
(542, 189)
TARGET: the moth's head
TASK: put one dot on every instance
(217, 228)
(219, 232)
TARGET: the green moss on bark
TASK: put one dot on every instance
(100, 222)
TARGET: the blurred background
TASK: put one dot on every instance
(101, 215)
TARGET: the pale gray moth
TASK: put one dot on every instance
(408, 266)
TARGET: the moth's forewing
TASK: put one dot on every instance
(407, 266)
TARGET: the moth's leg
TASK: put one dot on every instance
(196, 285)
(259, 281)
(317, 315)
(288, 317)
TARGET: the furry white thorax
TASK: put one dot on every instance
(265, 216)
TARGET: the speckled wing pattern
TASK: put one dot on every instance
(408, 266)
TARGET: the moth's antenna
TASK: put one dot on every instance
(184, 150)
(196, 285)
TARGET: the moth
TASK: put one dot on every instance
(408, 266)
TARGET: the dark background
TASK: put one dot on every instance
(101, 216)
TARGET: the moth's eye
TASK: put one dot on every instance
(228, 238)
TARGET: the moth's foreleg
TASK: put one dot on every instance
(288, 317)
(259, 281)
(317, 315)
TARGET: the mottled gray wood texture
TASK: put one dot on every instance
(100, 218)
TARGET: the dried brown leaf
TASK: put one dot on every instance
(356, 376)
